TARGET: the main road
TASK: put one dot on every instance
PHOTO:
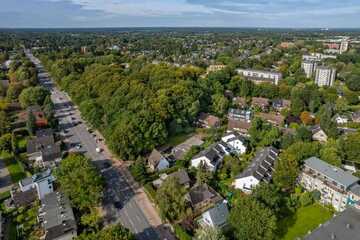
(119, 197)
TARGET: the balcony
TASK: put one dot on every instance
(324, 181)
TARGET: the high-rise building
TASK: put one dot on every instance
(325, 76)
(344, 46)
(309, 67)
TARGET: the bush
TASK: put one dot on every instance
(181, 233)
(306, 199)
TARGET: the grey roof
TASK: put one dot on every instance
(219, 214)
(334, 173)
(39, 142)
(180, 150)
(155, 157)
(44, 133)
(36, 177)
(355, 189)
(56, 215)
(214, 153)
(344, 226)
(262, 164)
(201, 193)
(181, 176)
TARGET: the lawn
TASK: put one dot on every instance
(304, 220)
(14, 167)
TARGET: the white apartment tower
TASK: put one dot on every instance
(344, 46)
(325, 76)
(309, 67)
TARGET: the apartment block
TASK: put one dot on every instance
(325, 76)
(258, 76)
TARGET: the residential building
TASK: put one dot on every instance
(281, 104)
(344, 46)
(318, 134)
(258, 76)
(57, 218)
(337, 187)
(211, 157)
(241, 127)
(202, 197)
(239, 114)
(236, 142)
(42, 182)
(287, 45)
(325, 76)
(215, 68)
(181, 176)
(180, 150)
(341, 119)
(344, 225)
(157, 161)
(206, 120)
(262, 103)
(23, 116)
(216, 216)
(240, 102)
(42, 149)
(309, 67)
(272, 118)
(356, 117)
(260, 169)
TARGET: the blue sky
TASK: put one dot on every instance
(172, 13)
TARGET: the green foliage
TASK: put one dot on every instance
(257, 221)
(113, 232)
(203, 175)
(353, 82)
(181, 233)
(349, 147)
(171, 200)
(5, 142)
(220, 104)
(330, 153)
(80, 181)
(4, 123)
(26, 218)
(269, 195)
(306, 199)
(31, 123)
(209, 233)
(33, 96)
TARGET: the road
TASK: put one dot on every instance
(119, 197)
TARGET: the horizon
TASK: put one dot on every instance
(297, 14)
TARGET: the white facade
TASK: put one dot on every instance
(274, 77)
(246, 184)
(204, 160)
(344, 46)
(211, 157)
(236, 143)
(309, 67)
(325, 76)
(43, 182)
(341, 119)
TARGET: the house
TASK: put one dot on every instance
(281, 104)
(274, 119)
(239, 114)
(344, 225)
(337, 187)
(238, 126)
(201, 197)
(258, 76)
(42, 149)
(211, 157)
(239, 102)
(40, 119)
(259, 102)
(180, 150)
(32, 188)
(341, 119)
(215, 216)
(318, 134)
(260, 169)
(236, 142)
(56, 217)
(229, 94)
(206, 120)
(356, 117)
(181, 175)
(215, 68)
(157, 162)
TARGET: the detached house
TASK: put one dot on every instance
(211, 157)
(201, 197)
(281, 104)
(262, 103)
(318, 134)
(208, 121)
(239, 114)
(215, 216)
(157, 162)
(42, 149)
(240, 102)
(40, 119)
(238, 126)
(260, 169)
(236, 142)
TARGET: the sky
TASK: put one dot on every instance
(180, 13)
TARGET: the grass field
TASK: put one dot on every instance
(304, 220)
(15, 169)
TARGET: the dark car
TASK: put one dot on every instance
(118, 204)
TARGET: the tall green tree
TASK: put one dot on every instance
(209, 233)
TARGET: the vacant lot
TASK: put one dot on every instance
(304, 220)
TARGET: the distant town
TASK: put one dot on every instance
(179, 134)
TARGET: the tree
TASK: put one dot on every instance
(353, 82)
(220, 104)
(5, 142)
(113, 232)
(269, 195)
(31, 123)
(171, 200)
(203, 175)
(330, 153)
(306, 118)
(349, 147)
(33, 96)
(4, 123)
(252, 220)
(209, 233)
(80, 181)
(303, 134)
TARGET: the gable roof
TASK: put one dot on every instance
(209, 119)
(345, 225)
(331, 172)
(154, 157)
(219, 214)
(259, 101)
(214, 153)
(182, 176)
(261, 165)
(276, 119)
(201, 193)
(238, 125)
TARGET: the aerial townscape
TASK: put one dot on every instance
(217, 132)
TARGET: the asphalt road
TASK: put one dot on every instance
(119, 203)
